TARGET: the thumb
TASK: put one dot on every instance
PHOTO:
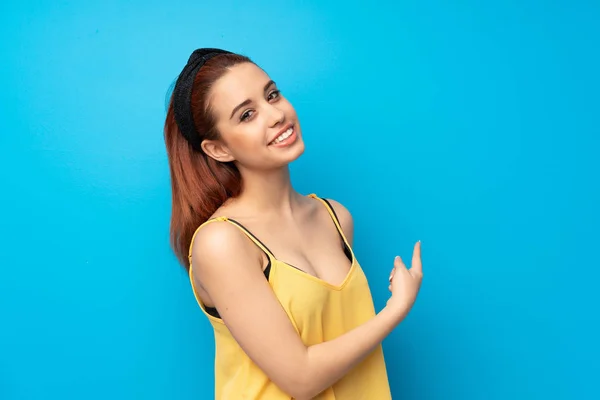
(398, 263)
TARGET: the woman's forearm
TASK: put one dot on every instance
(327, 362)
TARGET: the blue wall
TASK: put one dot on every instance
(471, 127)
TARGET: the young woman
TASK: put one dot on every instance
(273, 270)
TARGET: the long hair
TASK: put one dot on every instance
(199, 184)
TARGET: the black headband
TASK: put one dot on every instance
(182, 94)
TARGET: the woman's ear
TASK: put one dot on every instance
(215, 149)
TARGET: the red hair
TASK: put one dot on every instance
(199, 184)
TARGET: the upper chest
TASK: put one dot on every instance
(315, 248)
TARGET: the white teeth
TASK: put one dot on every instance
(284, 135)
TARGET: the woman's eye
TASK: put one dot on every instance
(274, 94)
(246, 115)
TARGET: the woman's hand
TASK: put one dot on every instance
(405, 283)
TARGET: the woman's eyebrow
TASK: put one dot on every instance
(248, 101)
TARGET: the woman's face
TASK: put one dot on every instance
(258, 127)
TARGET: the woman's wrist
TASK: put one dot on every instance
(394, 314)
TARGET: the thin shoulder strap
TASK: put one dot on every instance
(333, 215)
(251, 236)
(240, 227)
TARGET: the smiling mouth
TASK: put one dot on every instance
(283, 136)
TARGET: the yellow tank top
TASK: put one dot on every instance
(320, 312)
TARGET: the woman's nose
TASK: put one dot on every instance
(276, 116)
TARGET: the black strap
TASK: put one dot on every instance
(347, 250)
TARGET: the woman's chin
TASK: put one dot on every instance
(296, 151)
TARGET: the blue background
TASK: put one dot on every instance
(473, 127)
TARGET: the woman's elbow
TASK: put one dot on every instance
(301, 387)
(302, 393)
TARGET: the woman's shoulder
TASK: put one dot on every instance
(218, 241)
(344, 217)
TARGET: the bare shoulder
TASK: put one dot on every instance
(221, 243)
(345, 218)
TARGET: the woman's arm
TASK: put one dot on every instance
(226, 266)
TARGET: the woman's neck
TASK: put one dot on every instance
(269, 192)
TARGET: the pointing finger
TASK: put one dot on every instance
(417, 264)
